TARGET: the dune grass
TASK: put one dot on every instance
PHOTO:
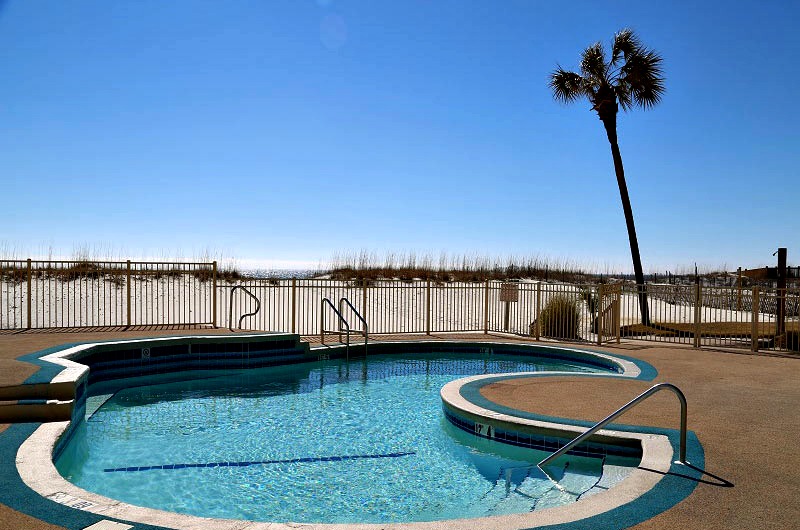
(457, 268)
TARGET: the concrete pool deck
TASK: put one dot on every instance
(745, 410)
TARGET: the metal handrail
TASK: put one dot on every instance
(361, 318)
(342, 320)
(230, 311)
(602, 423)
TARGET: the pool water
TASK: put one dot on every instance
(331, 441)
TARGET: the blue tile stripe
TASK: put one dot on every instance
(541, 442)
(305, 460)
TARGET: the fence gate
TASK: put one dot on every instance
(608, 313)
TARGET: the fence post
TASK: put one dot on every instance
(364, 300)
(30, 294)
(294, 305)
(428, 307)
(214, 293)
(486, 308)
(128, 293)
(698, 300)
(322, 323)
(601, 315)
(780, 310)
(739, 293)
(754, 329)
(536, 324)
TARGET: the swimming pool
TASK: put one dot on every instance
(332, 441)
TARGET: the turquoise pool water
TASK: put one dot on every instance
(331, 441)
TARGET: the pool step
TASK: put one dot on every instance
(535, 487)
(511, 503)
(578, 477)
(554, 497)
(527, 489)
(35, 410)
(612, 475)
(151, 357)
(35, 403)
(519, 489)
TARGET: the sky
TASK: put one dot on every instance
(283, 133)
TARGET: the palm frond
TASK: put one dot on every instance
(593, 64)
(643, 77)
(566, 86)
(625, 43)
(624, 96)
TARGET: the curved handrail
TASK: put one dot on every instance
(358, 315)
(342, 320)
(602, 423)
(230, 311)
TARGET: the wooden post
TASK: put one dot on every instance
(214, 294)
(754, 330)
(294, 305)
(698, 301)
(428, 307)
(30, 294)
(128, 293)
(739, 294)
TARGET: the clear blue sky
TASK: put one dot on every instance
(292, 130)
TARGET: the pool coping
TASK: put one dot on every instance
(37, 470)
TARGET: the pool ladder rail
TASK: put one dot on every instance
(611, 417)
(241, 318)
(344, 325)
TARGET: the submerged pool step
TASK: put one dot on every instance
(576, 478)
(554, 497)
(527, 489)
(509, 503)
(533, 493)
(580, 477)
(519, 489)
(613, 474)
(175, 363)
(535, 487)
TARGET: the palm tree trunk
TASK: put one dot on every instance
(610, 123)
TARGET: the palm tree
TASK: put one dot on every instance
(631, 78)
